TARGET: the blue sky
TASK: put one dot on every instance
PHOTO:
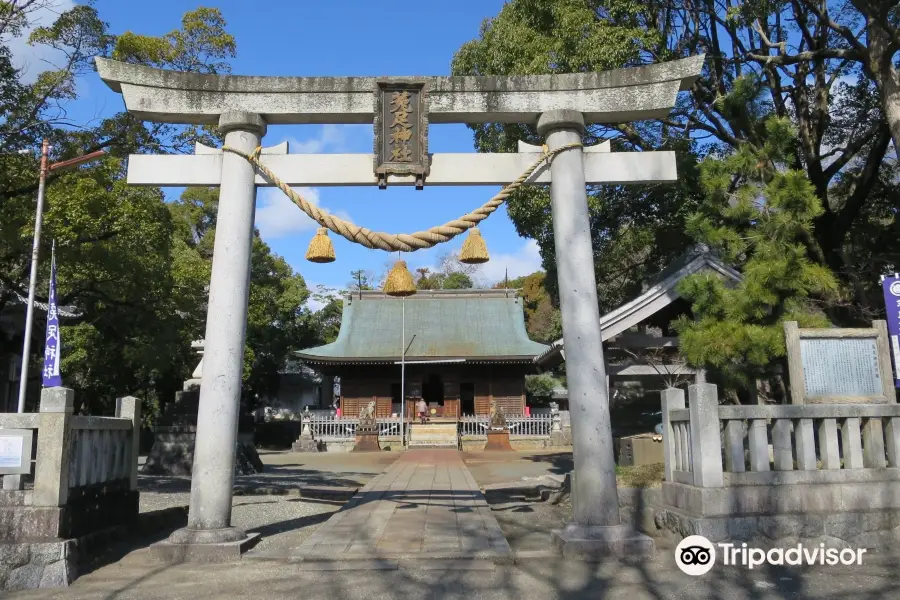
(339, 38)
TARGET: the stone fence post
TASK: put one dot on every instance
(129, 407)
(706, 439)
(672, 399)
(51, 477)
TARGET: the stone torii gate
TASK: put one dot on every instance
(242, 108)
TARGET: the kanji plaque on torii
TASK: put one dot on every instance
(401, 130)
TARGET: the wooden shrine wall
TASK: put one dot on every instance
(504, 383)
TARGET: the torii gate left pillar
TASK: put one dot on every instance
(212, 478)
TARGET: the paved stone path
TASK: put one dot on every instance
(425, 505)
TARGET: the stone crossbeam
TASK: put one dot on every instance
(618, 96)
(323, 170)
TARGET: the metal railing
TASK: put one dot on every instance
(519, 426)
(530, 426)
(330, 427)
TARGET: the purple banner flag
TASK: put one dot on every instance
(52, 378)
(891, 285)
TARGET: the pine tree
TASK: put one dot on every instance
(758, 216)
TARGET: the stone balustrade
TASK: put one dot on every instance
(84, 481)
(762, 444)
(824, 471)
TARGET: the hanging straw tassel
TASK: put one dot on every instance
(320, 250)
(399, 281)
(474, 249)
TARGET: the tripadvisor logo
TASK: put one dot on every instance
(696, 555)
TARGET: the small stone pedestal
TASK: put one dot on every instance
(305, 443)
(498, 440)
(593, 543)
(366, 441)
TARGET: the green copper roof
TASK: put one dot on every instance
(451, 324)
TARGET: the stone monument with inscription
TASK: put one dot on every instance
(559, 106)
(840, 366)
(175, 434)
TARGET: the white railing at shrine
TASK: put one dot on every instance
(530, 426)
(325, 427)
(473, 425)
(538, 425)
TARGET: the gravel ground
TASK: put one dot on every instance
(276, 514)
(280, 518)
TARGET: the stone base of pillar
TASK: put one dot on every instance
(498, 441)
(305, 443)
(559, 438)
(592, 543)
(192, 550)
(366, 442)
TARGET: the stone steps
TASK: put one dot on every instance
(433, 435)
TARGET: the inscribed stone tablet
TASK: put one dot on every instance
(12, 449)
(840, 367)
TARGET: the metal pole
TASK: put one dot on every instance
(32, 283)
(403, 372)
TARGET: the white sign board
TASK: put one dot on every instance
(15, 451)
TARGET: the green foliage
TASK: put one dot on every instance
(136, 267)
(450, 274)
(361, 280)
(815, 81)
(277, 322)
(636, 229)
(758, 215)
(327, 320)
(542, 318)
(541, 385)
(202, 45)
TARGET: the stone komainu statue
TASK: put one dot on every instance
(367, 416)
(498, 420)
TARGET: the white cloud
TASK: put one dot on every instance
(330, 138)
(277, 216)
(35, 59)
(525, 261)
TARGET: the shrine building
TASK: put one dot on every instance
(464, 348)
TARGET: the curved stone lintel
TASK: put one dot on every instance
(605, 97)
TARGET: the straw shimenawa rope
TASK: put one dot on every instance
(393, 242)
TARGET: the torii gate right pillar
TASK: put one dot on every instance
(595, 528)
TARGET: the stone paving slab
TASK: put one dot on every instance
(425, 505)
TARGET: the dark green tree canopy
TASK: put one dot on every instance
(807, 61)
(136, 266)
